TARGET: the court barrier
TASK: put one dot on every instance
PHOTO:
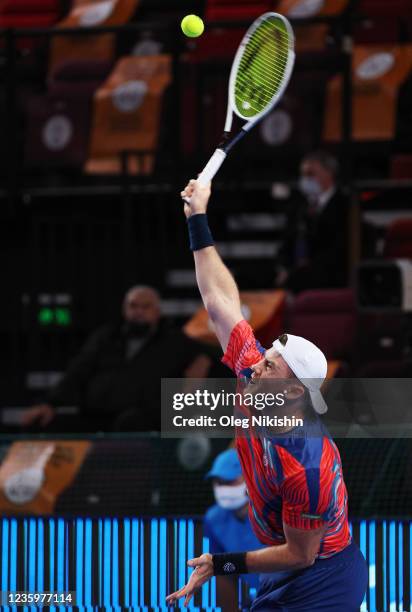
(134, 562)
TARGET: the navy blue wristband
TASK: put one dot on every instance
(225, 564)
(200, 235)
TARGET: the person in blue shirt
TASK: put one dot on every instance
(227, 525)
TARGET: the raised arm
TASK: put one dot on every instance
(217, 286)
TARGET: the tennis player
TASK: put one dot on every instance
(298, 499)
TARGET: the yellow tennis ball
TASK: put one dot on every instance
(192, 26)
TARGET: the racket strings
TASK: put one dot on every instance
(262, 68)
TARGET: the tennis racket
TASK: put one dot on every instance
(260, 73)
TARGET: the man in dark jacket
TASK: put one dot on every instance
(115, 379)
(315, 251)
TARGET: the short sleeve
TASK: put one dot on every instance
(243, 350)
(298, 510)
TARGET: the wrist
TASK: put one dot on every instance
(198, 212)
(226, 564)
(200, 235)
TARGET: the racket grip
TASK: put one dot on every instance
(212, 167)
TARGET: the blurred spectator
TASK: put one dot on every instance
(115, 379)
(227, 525)
(315, 251)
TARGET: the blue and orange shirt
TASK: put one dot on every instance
(292, 480)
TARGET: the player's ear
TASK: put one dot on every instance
(295, 390)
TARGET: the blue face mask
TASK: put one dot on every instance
(310, 187)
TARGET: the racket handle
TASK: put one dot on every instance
(212, 167)
(210, 170)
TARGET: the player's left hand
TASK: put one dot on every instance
(203, 572)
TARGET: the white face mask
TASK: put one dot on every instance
(310, 187)
(231, 497)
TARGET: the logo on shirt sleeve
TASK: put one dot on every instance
(310, 516)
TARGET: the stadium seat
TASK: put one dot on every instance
(263, 309)
(398, 241)
(57, 131)
(313, 8)
(69, 49)
(378, 73)
(28, 7)
(384, 21)
(378, 30)
(383, 8)
(28, 14)
(215, 44)
(127, 114)
(311, 37)
(236, 10)
(79, 79)
(59, 123)
(327, 318)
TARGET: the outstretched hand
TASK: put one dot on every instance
(196, 197)
(202, 573)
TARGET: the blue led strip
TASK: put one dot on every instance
(410, 554)
(362, 546)
(135, 563)
(141, 564)
(176, 585)
(182, 556)
(115, 563)
(60, 554)
(107, 563)
(51, 547)
(67, 559)
(32, 555)
(400, 561)
(154, 563)
(372, 567)
(25, 555)
(392, 565)
(206, 586)
(40, 555)
(5, 551)
(126, 542)
(190, 550)
(88, 563)
(79, 562)
(13, 555)
(384, 561)
(213, 593)
(100, 560)
(163, 562)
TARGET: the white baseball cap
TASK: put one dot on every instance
(308, 363)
